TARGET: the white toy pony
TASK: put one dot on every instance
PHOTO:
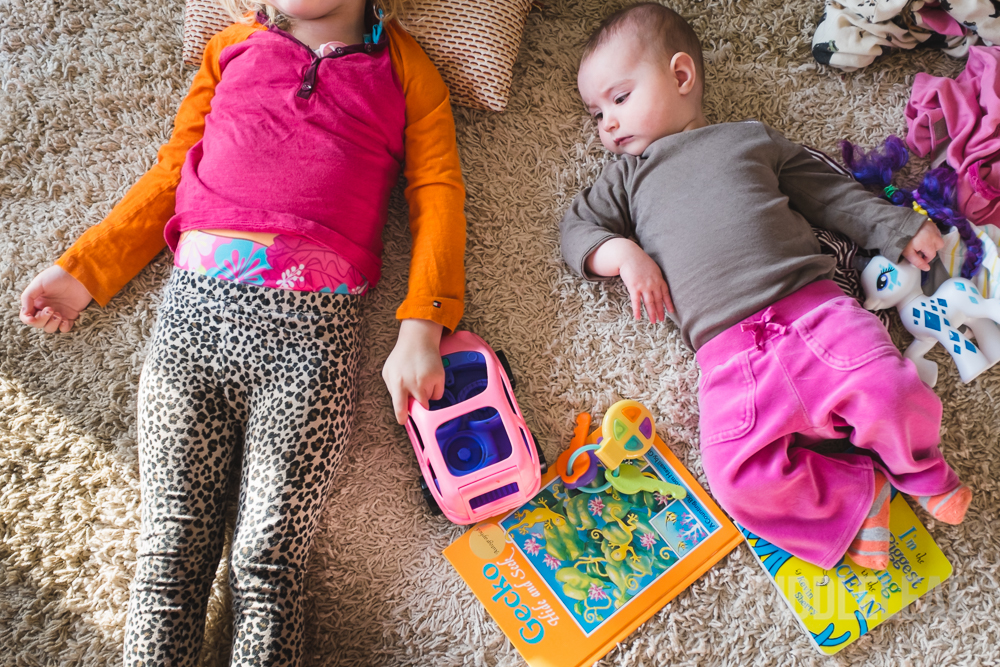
(936, 319)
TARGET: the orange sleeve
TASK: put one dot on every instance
(434, 190)
(114, 251)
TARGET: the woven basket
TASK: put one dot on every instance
(473, 43)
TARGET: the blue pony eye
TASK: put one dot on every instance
(883, 278)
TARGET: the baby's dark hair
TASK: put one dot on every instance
(656, 25)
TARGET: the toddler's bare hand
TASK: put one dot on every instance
(414, 366)
(924, 246)
(53, 300)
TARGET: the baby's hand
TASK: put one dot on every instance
(414, 366)
(53, 300)
(646, 286)
(924, 245)
(641, 275)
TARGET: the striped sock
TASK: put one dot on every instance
(871, 546)
(949, 507)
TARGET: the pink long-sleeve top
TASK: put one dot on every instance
(272, 138)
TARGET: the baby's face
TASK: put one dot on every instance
(633, 94)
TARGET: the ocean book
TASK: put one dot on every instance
(835, 607)
(569, 574)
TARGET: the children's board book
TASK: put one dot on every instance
(570, 574)
(839, 605)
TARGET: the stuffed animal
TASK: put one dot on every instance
(936, 319)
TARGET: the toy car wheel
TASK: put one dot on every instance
(429, 499)
(542, 463)
(506, 368)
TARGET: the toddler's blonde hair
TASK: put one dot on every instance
(244, 11)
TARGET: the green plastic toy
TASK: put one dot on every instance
(628, 479)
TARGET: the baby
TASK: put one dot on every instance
(722, 213)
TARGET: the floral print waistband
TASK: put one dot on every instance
(288, 263)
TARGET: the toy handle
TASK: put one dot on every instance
(627, 432)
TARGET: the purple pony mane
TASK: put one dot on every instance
(875, 168)
(936, 193)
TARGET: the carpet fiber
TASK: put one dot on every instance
(88, 90)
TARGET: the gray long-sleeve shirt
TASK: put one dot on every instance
(725, 211)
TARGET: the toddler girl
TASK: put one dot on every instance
(273, 192)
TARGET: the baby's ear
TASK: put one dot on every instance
(684, 70)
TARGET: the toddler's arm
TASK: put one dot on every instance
(53, 300)
(435, 193)
(111, 253)
(414, 367)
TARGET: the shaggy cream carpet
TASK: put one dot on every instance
(88, 89)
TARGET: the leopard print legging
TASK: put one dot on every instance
(235, 368)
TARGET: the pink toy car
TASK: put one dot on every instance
(476, 454)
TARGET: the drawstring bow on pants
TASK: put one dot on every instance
(760, 328)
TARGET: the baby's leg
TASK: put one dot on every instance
(860, 381)
(898, 417)
(187, 440)
(870, 548)
(950, 506)
(807, 503)
(302, 387)
(810, 364)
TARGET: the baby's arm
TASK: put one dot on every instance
(833, 201)
(642, 276)
(435, 193)
(594, 237)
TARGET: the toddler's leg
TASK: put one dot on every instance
(186, 446)
(299, 423)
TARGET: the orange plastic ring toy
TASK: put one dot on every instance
(582, 463)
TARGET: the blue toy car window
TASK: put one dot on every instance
(473, 441)
(464, 377)
(478, 438)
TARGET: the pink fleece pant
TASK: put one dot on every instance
(814, 366)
